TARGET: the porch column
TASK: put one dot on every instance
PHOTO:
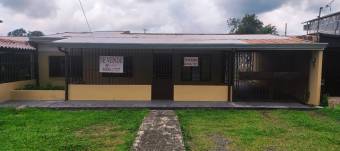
(315, 74)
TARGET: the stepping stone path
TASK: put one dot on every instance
(160, 131)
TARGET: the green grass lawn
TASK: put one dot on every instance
(261, 130)
(37, 129)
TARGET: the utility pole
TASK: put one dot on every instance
(286, 29)
(319, 17)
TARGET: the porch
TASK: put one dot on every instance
(211, 75)
(97, 104)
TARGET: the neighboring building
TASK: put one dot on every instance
(16, 64)
(181, 67)
(329, 24)
(327, 30)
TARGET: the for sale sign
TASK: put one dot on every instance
(111, 64)
(191, 62)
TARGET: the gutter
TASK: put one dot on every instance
(66, 72)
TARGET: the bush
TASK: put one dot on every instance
(42, 87)
(324, 100)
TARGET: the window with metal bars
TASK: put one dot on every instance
(56, 66)
(199, 73)
(15, 66)
(127, 69)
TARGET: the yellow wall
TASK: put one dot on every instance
(200, 93)
(315, 78)
(44, 69)
(38, 95)
(6, 88)
(110, 92)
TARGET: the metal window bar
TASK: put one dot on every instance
(16, 65)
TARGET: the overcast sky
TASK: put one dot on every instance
(180, 16)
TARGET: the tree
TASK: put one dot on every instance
(269, 29)
(23, 33)
(18, 33)
(249, 24)
(35, 33)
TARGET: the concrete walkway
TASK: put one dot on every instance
(153, 105)
(160, 130)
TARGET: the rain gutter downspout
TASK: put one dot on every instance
(66, 72)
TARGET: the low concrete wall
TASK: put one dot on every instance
(39, 95)
(6, 88)
(333, 102)
(110, 92)
(200, 93)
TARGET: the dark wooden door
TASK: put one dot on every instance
(162, 84)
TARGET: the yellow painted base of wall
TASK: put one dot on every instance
(37, 95)
(200, 93)
(110, 92)
(6, 88)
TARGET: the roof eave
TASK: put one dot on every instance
(18, 48)
(314, 46)
(44, 39)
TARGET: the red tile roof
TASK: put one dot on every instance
(15, 43)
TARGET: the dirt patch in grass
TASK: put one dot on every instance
(106, 136)
(268, 116)
(220, 142)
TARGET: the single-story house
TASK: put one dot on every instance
(181, 67)
(17, 61)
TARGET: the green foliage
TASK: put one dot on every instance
(324, 100)
(18, 33)
(40, 129)
(269, 29)
(23, 33)
(35, 34)
(250, 24)
(261, 130)
(42, 87)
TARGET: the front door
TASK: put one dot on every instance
(162, 85)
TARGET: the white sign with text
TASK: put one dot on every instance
(111, 64)
(191, 62)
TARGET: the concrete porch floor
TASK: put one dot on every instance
(155, 105)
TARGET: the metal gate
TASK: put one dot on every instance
(270, 76)
(246, 87)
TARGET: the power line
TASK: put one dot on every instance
(87, 22)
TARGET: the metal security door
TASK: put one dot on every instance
(162, 84)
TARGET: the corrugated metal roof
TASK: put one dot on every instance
(84, 34)
(138, 38)
(15, 43)
(161, 40)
